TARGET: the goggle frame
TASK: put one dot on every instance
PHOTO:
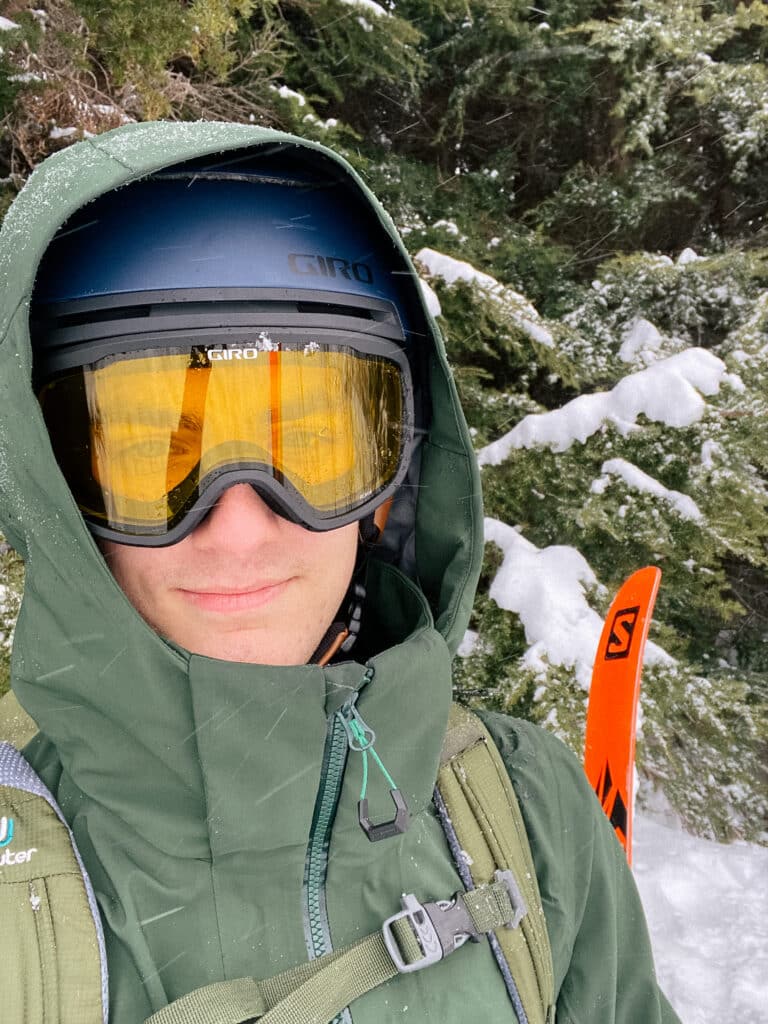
(381, 336)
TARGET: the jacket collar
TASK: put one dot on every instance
(176, 745)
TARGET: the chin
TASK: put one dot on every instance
(248, 652)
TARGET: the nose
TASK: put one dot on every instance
(240, 518)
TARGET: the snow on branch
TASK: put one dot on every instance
(546, 588)
(669, 392)
(516, 306)
(289, 94)
(369, 5)
(637, 480)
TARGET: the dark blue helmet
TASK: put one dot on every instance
(226, 244)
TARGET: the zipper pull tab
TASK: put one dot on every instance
(361, 738)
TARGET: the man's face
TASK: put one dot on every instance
(246, 585)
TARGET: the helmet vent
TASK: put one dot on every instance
(84, 330)
(329, 309)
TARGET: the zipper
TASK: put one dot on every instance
(361, 738)
(317, 933)
(316, 929)
(38, 899)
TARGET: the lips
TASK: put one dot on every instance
(226, 600)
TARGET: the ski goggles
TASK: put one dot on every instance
(149, 439)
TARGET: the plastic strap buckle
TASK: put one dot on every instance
(440, 928)
(508, 880)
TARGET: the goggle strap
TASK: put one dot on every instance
(381, 514)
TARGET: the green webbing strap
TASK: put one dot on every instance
(314, 992)
(490, 907)
(483, 811)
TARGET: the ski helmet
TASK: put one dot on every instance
(257, 315)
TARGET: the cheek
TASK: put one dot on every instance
(339, 557)
(333, 557)
(138, 571)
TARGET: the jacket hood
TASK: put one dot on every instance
(201, 793)
(436, 539)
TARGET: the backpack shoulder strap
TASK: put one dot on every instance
(51, 941)
(485, 830)
(16, 727)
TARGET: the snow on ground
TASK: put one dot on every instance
(670, 391)
(707, 910)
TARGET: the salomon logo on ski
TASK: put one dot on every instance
(622, 630)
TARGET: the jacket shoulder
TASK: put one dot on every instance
(602, 959)
(548, 779)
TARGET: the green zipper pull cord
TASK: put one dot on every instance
(361, 738)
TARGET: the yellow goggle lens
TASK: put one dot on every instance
(329, 422)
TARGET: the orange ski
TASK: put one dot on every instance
(609, 750)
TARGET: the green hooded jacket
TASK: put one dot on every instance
(211, 803)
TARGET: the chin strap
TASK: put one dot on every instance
(342, 633)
